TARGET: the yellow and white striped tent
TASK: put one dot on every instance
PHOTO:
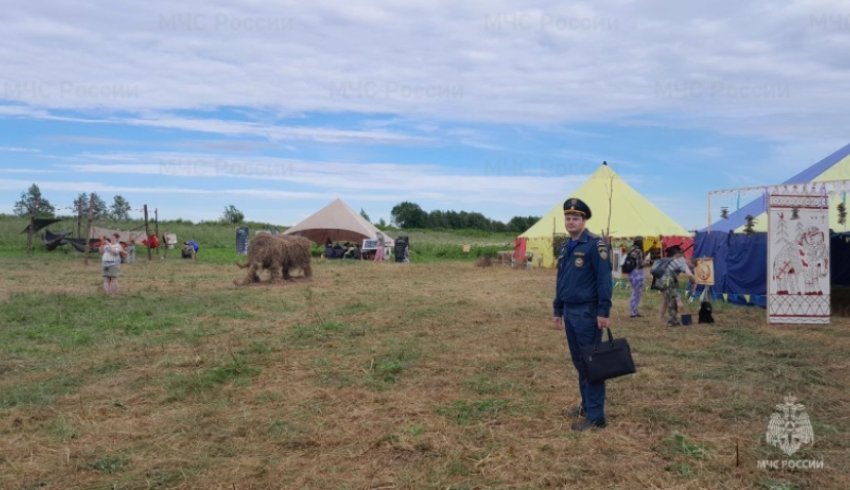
(618, 210)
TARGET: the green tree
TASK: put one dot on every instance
(436, 219)
(99, 209)
(477, 221)
(232, 215)
(84, 201)
(32, 203)
(454, 219)
(81, 205)
(365, 216)
(409, 215)
(120, 209)
(521, 223)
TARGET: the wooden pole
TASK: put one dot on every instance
(156, 228)
(88, 227)
(147, 233)
(31, 229)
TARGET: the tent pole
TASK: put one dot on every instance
(147, 232)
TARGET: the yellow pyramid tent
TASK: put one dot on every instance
(633, 215)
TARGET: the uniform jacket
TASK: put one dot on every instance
(584, 276)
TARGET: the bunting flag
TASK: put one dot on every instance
(726, 297)
(747, 298)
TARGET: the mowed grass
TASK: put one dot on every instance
(438, 375)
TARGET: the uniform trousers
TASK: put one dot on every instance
(584, 334)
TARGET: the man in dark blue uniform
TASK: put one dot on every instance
(582, 305)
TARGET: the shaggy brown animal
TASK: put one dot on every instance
(277, 254)
(297, 255)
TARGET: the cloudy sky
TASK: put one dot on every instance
(498, 107)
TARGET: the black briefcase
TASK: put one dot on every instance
(609, 359)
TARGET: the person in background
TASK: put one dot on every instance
(131, 251)
(379, 253)
(189, 251)
(636, 277)
(669, 283)
(329, 251)
(110, 263)
(582, 304)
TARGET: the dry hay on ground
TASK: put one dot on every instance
(434, 376)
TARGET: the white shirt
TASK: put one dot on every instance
(111, 254)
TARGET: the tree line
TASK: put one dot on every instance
(404, 215)
(33, 203)
(410, 215)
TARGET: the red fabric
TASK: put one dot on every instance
(151, 242)
(519, 249)
(685, 243)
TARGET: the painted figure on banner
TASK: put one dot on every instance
(804, 259)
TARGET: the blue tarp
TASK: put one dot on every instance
(740, 264)
(839, 258)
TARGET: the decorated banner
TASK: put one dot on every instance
(798, 258)
(704, 271)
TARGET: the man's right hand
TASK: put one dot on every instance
(558, 323)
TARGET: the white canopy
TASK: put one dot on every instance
(337, 222)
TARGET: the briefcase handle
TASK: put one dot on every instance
(610, 339)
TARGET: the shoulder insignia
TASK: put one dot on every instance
(602, 247)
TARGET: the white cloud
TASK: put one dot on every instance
(15, 149)
(484, 61)
(481, 75)
(374, 181)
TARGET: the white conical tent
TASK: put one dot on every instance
(617, 210)
(337, 222)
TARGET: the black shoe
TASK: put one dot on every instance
(588, 424)
(577, 411)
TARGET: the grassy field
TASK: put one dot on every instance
(218, 240)
(434, 375)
